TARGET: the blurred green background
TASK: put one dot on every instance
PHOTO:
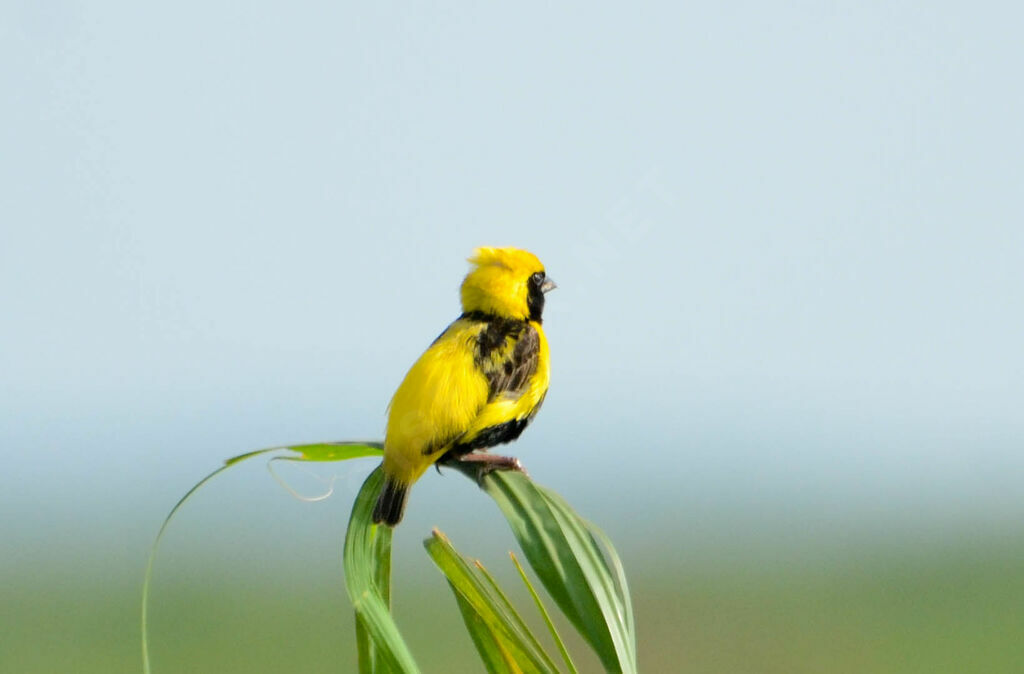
(787, 375)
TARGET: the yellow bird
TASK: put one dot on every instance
(478, 385)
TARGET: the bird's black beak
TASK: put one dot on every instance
(548, 286)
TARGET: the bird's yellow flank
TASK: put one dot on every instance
(478, 385)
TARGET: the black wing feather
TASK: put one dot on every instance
(507, 375)
(511, 375)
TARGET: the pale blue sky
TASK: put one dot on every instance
(788, 242)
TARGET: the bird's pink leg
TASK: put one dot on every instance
(480, 464)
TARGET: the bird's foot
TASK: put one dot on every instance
(480, 465)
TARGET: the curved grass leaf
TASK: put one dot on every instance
(544, 613)
(320, 451)
(620, 579)
(323, 451)
(368, 581)
(496, 658)
(563, 551)
(503, 640)
(505, 605)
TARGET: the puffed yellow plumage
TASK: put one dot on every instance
(478, 385)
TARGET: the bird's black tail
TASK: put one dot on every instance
(390, 503)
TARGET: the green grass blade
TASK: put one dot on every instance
(364, 648)
(322, 451)
(367, 579)
(505, 627)
(621, 585)
(152, 558)
(599, 579)
(547, 617)
(503, 603)
(496, 659)
(566, 557)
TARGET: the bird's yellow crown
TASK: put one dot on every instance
(498, 282)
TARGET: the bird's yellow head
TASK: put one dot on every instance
(505, 282)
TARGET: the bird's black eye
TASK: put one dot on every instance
(537, 278)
